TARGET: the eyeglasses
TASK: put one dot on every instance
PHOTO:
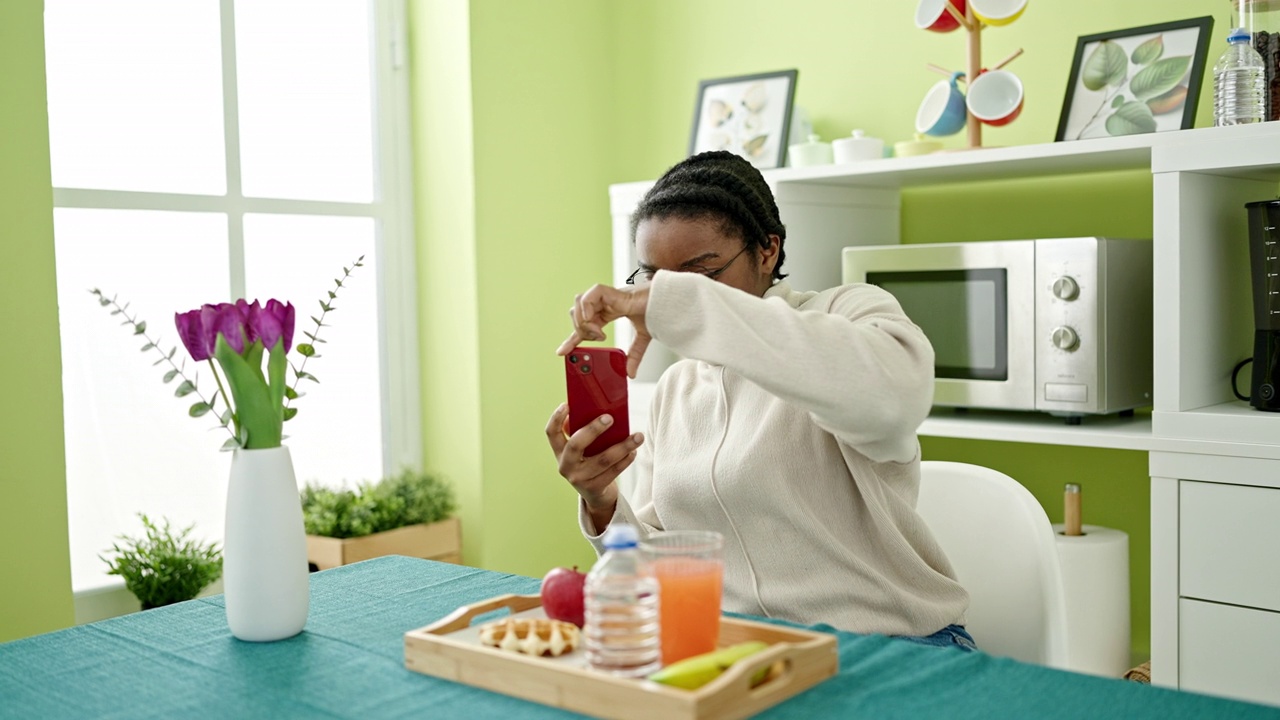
(644, 277)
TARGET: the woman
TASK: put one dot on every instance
(789, 428)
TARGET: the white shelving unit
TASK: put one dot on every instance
(1214, 461)
(1215, 479)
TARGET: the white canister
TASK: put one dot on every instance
(814, 152)
(857, 148)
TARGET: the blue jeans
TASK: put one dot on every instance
(950, 636)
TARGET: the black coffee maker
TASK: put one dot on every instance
(1264, 264)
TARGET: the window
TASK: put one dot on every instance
(207, 150)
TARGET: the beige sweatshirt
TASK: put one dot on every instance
(790, 429)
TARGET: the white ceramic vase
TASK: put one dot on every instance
(264, 557)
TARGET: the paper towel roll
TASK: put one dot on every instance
(1095, 579)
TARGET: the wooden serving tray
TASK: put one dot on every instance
(450, 649)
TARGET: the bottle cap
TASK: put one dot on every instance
(1239, 35)
(620, 536)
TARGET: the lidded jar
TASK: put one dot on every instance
(858, 147)
(814, 152)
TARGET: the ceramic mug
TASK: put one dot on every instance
(933, 15)
(997, 12)
(996, 97)
(942, 112)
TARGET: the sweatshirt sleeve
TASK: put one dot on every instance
(850, 357)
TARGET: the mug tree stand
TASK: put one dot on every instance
(973, 28)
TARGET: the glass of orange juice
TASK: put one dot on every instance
(690, 572)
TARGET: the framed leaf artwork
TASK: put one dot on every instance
(748, 115)
(1140, 80)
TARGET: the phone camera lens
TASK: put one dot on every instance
(586, 369)
(573, 358)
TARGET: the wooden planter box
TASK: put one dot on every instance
(438, 541)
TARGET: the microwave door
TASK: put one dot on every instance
(974, 303)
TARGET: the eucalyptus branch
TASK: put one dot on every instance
(187, 386)
(229, 415)
(308, 350)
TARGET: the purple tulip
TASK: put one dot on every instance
(241, 323)
(283, 313)
(191, 330)
(264, 325)
(224, 318)
(247, 313)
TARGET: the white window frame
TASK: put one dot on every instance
(391, 210)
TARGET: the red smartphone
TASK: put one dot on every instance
(596, 379)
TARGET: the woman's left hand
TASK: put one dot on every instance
(602, 305)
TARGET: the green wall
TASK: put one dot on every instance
(444, 203)
(512, 163)
(35, 572)
(569, 96)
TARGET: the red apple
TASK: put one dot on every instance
(562, 591)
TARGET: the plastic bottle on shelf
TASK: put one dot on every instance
(1238, 82)
(621, 627)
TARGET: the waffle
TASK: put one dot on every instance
(531, 636)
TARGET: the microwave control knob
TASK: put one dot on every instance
(1066, 288)
(1065, 338)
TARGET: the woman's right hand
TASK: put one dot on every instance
(592, 477)
(600, 306)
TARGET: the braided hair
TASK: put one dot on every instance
(721, 186)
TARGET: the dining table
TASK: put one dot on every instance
(181, 661)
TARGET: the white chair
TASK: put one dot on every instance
(1002, 547)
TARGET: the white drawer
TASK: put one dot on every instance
(1229, 651)
(1229, 544)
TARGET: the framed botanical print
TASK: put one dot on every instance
(1140, 80)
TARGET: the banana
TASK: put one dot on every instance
(692, 673)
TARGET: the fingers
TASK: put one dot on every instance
(570, 343)
(612, 472)
(592, 476)
(556, 429)
(574, 463)
(635, 354)
(587, 316)
(576, 447)
(591, 311)
(616, 469)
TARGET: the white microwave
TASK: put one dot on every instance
(1058, 325)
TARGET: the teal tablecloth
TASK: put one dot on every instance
(180, 661)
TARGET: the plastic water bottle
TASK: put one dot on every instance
(622, 609)
(1238, 82)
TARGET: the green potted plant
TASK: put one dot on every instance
(162, 568)
(406, 514)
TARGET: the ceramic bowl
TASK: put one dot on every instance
(996, 97)
(998, 12)
(942, 111)
(919, 146)
(933, 15)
